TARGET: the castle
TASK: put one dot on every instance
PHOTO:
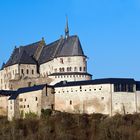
(54, 76)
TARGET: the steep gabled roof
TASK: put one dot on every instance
(48, 52)
(18, 55)
(70, 46)
(26, 59)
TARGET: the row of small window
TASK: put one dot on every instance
(27, 71)
(21, 99)
(23, 106)
(70, 76)
(68, 69)
(123, 88)
(80, 90)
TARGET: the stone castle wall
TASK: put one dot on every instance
(96, 99)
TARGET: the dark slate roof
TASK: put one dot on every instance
(29, 89)
(13, 96)
(95, 82)
(23, 55)
(6, 92)
(70, 73)
(25, 90)
(62, 47)
(26, 59)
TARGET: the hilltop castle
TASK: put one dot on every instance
(60, 60)
(54, 76)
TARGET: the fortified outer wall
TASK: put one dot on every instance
(123, 103)
(83, 99)
(12, 109)
(31, 101)
(47, 101)
(96, 99)
(3, 105)
(138, 101)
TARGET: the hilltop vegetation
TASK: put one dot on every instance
(64, 126)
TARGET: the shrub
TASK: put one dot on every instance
(46, 113)
(30, 115)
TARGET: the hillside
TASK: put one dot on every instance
(64, 126)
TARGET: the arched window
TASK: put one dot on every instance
(84, 68)
(32, 71)
(80, 68)
(27, 71)
(63, 69)
(70, 102)
(84, 59)
(75, 68)
(67, 68)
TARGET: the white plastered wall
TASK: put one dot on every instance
(85, 99)
(54, 65)
(30, 68)
(96, 99)
(30, 102)
(7, 74)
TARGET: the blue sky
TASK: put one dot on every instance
(109, 30)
